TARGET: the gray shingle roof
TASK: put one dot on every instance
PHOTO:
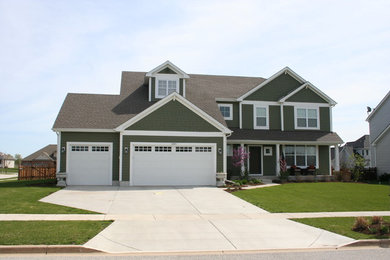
(277, 135)
(48, 151)
(95, 111)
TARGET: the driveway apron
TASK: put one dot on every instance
(166, 219)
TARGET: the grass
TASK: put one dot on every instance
(8, 170)
(342, 226)
(319, 197)
(49, 232)
(21, 197)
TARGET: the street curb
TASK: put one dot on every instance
(369, 242)
(46, 249)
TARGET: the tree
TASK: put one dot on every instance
(239, 158)
(18, 159)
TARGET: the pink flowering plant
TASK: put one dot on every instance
(239, 158)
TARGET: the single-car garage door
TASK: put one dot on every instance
(89, 164)
(173, 164)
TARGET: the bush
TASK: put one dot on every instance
(360, 224)
(376, 220)
(385, 178)
(256, 181)
(384, 230)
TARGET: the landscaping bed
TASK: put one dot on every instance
(22, 197)
(319, 197)
(344, 226)
(49, 232)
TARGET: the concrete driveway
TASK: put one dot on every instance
(187, 219)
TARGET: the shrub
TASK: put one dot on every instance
(244, 181)
(256, 181)
(384, 229)
(284, 175)
(385, 178)
(360, 224)
(376, 220)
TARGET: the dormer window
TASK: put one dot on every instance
(166, 86)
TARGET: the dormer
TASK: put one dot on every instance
(166, 79)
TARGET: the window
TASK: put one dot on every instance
(163, 149)
(261, 117)
(143, 148)
(226, 110)
(268, 151)
(183, 149)
(229, 150)
(301, 155)
(99, 148)
(76, 148)
(202, 149)
(306, 118)
(166, 87)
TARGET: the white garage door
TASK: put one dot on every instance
(89, 164)
(173, 164)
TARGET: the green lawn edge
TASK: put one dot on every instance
(49, 232)
(319, 197)
(22, 197)
(339, 225)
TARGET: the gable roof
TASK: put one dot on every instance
(174, 97)
(378, 106)
(46, 153)
(170, 65)
(362, 142)
(308, 85)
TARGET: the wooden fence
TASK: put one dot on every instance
(37, 171)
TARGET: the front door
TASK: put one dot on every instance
(255, 160)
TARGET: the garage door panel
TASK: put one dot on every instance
(158, 164)
(89, 164)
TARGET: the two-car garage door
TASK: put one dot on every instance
(173, 164)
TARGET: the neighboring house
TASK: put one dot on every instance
(167, 127)
(44, 157)
(361, 146)
(379, 121)
(7, 161)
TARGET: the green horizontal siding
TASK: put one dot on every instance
(274, 118)
(323, 154)
(92, 137)
(168, 139)
(236, 114)
(269, 162)
(173, 116)
(247, 116)
(306, 95)
(325, 119)
(276, 89)
(288, 114)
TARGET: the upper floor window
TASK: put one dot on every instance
(306, 118)
(260, 117)
(226, 110)
(166, 87)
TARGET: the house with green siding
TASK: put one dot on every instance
(167, 127)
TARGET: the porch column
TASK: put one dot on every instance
(277, 159)
(243, 165)
(336, 158)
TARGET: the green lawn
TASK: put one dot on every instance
(8, 170)
(49, 232)
(342, 226)
(21, 197)
(319, 197)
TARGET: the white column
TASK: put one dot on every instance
(224, 153)
(336, 158)
(281, 117)
(120, 155)
(240, 115)
(58, 152)
(277, 159)
(150, 89)
(243, 165)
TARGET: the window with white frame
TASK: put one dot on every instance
(165, 87)
(306, 118)
(226, 111)
(229, 150)
(260, 117)
(301, 155)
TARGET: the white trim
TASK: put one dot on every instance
(318, 156)
(230, 106)
(331, 118)
(261, 159)
(381, 135)
(279, 142)
(172, 133)
(83, 130)
(150, 90)
(266, 119)
(282, 117)
(337, 158)
(292, 93)
(120, 155)
(133, 144)
(226, 99)
(184, 87)
(224, 160)
(296, 118)
(378, 106)
(165, 65)
(240, 114)
(110, 144)
(307, 104)
(175, 97)
(255, 102)
(277, 74)
(277, 155)
(165, 77)
(330, 161)
(58, 163)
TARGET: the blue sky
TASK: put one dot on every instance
(49, 48)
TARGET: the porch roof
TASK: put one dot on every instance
(277, 136)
